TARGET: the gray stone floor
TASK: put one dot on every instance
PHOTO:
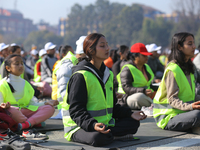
(60, 133)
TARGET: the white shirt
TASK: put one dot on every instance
(18, 84)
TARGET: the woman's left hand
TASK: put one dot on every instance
(138, 115)
(52, 102)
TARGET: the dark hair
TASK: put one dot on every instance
(63, 50)
(198, 47)
(123, 48)
(8, 63)
(113, 54)
(13, 48)
(89, 45)
(132, 56)
(178, 40)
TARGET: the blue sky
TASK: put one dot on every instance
(51, 10)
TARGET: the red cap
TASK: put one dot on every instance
(139, 48)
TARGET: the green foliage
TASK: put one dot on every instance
(121, 24)
(40, 38)
(154, 31)
(119, 30)
(197, 38)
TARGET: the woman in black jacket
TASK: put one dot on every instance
(92, 101)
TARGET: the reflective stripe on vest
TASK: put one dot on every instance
(163, 111)
(21, 103)
(139, 79)
(99, 107)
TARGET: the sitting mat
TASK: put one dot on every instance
(52, 125)
(147, 132)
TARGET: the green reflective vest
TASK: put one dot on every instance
(98, 106)
(162, 111)
(21, 103)
(74, 60)
(139, 79)
(162, 59)
(37, 78)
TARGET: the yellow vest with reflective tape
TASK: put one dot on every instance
(139, 79)
(21, 103)
(162, 111)
(37, 77)
(99, 107)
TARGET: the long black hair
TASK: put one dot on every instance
(8, 63)
(13, 48)
(178, 40)
(64, 50)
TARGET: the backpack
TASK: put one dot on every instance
(6, 121)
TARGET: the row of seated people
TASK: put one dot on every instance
(92, 114)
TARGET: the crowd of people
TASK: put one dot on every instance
(102, 93)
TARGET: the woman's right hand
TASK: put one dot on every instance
(5, 105)
(196, 105)
(100, 127)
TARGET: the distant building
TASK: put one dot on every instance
(13, 22)
(41, 26)
(150, 12)
(62, 26)
(170, 17)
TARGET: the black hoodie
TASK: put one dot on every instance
(77, 97)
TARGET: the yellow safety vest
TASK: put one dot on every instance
(37, 78)
(21, 103)
(163, 111)
(139, 79)
(99, 106)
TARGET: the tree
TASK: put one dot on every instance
(197, 38)
(40, 38)
(188, 13)
(120, 29)
(1, 38)
(154, 31)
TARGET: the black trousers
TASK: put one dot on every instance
(122, 127)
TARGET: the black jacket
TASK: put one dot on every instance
(126, 81)
(77, 97)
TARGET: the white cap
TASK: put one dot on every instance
(3, 46)
(22, 52)
(153, 47)
(42, 52)
(196, 51)
(13, 44)
(34, 52)
(159, 51)
(49, 46)
(169, 51)
(79, 45)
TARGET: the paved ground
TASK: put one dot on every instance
(150, 145)
(183, 142)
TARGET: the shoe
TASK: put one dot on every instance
(33, 134)
(13, 141)
(3, 135)
(148, 110)
(40, 125)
